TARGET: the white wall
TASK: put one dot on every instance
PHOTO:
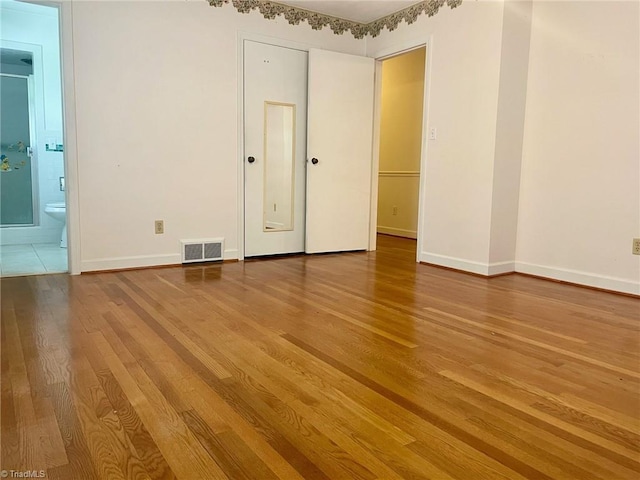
(464, 54)
(579, 199)
(537, 164)
(157, 132)
(516, 32)
(34, 27)
(156, 91)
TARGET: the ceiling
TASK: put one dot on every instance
(361, 11)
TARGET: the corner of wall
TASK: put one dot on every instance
(579, 200)
(510, 119)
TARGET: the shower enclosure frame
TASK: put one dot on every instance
(32, 152)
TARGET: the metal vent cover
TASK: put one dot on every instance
(202, 250)
(213, 250)
(193, 252)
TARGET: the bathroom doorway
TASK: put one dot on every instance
(32, 167)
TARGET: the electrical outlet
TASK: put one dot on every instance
(636, 246)
(159, 227)
(395, 210)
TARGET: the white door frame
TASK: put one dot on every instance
(380, 56)
(72, 180)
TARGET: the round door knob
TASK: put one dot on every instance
(251, 159)
(314, 161)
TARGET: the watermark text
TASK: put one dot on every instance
(23, 474)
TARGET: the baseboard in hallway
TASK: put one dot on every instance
(398, 232)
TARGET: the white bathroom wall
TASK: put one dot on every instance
(580, 191)
(156, 87)
(464, 53)
(25, 26)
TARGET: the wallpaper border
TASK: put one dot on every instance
(318, 21)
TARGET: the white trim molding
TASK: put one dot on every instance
(580, 278)
(71, 167)
(119, 263)
(486, 269)
(142, 261)
(575, 277)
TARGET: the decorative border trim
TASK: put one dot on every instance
(317, 21)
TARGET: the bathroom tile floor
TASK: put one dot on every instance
(32, 259)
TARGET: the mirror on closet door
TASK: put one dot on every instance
(279, 155)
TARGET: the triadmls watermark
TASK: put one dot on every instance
(23, 474)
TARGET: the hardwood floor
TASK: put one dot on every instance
(351, 366)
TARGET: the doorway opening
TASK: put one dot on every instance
(32, 168)
(400, 147)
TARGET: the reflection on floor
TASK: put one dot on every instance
(32, 259)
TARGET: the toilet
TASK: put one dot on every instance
(58, 210)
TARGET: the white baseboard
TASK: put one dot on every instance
(580, 278)
(486, 269)
(499, 268)
(141, 261)
(564, 275)
(397, 231)
(230, 254)
(116, 263)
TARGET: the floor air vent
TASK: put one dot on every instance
(209, 250)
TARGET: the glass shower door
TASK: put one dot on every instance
(16, 179)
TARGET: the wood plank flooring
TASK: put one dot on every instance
(343, 366)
